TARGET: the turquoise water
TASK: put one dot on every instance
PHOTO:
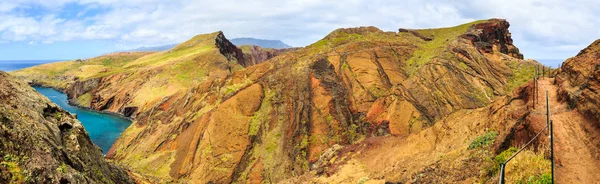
(104, 129)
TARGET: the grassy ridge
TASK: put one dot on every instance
(60, 74)
(441, 37)
(156, 74)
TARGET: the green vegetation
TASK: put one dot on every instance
(164, 58)
(528, 167)
(498, 159)
(62, 168)
(261, 115)
(545, 178)
(428, 50)
(60, 74)
(412, 122)
(58, 116)
(345, 38)
(363, 37)
(229, 90)
(85, 100)
(11, 164)
(483, 140)
(363, 180)
(522, 73)
(155, 75)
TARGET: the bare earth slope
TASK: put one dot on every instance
(41, 143)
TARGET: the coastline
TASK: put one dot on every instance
(71, 102)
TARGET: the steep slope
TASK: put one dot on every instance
(579, 81)
(255, 54)
(129, 83)
(41, 143)
(271, 121)
(578, 146)
(464, 147)
(206, 111)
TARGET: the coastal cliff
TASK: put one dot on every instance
(42, 143)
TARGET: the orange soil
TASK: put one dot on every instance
(575, 142)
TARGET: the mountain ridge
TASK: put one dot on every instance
(311, 93)
(276, 114)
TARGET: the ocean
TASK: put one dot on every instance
(12, 65)
(104, 129)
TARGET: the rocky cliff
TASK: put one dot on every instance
(579, 81)
(255, 54)
(273, 120)
(41, 143)
(203, 114)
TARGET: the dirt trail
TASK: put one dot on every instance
(577, 158)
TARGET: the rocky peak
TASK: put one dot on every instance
(229, 50)
(493, 35)
(218, 39)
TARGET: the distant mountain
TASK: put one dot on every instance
(275, 44)
(153, 49)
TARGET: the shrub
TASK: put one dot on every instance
(62, 168)
(504, 155)
(483, 140)
(494, 168)
(544, 179)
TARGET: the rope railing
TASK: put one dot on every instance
(548, 126)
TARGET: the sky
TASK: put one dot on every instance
(72, 29)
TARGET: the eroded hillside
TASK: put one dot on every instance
(41, 143)
(579, 81)
(274, 120)
(202, 112)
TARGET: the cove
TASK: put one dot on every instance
(104, 129)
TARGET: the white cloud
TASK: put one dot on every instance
(542, 29)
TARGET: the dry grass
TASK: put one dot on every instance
(528, 167)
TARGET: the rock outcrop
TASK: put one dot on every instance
(255, 54)
(493, 35)
(354, 83)
(202, 116)
(579, 81)
(41, 143)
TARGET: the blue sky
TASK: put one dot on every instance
(71, 29)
